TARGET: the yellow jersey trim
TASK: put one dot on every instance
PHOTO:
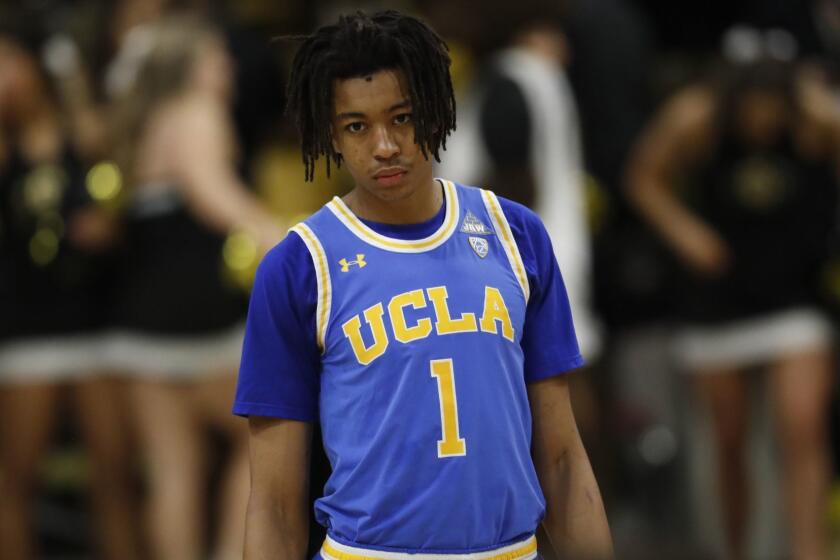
(508, 242)
(523, 550)
(444, 232)
(322, 276)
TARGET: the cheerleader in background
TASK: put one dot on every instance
(52, 239)
(754, 156)
(180, 319)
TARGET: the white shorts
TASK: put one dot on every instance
(50, 358)
(175, 358)
(753, 341)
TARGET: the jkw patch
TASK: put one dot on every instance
(474, 226)
(480, 246)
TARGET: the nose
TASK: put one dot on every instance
(385, 146)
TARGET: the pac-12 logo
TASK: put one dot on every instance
(360, 262)
(480, 246)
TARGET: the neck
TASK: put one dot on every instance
(419, 206)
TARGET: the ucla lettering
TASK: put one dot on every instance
(495, 311)
(402, 332)
(353, 331)
(495, 319)
(445, 324)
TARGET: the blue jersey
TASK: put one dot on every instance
(422, 394)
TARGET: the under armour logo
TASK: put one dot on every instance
(345, 264)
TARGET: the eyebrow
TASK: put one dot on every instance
(357, 115)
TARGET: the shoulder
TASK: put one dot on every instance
(285, 282)
(290, 252)
(690, 114)
(288, 265)
(530, 235)
(691, 107)
(196, 115)
(683, 128)
(524, 223)
(820, 118)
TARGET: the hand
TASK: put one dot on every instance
(704, 251)
(93, 229)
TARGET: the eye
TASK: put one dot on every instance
(402, 118)
(355, 127)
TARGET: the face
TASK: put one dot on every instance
(546, 42)
(761, 116)
(373, 131)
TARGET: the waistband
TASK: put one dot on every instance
(523, 550)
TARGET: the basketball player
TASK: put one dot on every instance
(424, 323)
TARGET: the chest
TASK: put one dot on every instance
(404, 303)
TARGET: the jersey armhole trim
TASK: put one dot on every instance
(500, 223)
(322, 277)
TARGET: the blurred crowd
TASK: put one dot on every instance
(685, 158)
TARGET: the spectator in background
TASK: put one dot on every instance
(51, 239)
(85, 51)
(82, 63)
(610, 70)
(182, 320)
(755, 157)
(519, 135)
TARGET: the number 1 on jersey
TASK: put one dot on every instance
(452, 444)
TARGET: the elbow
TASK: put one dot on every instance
(556, 461)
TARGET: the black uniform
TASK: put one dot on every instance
(775, 209)
(47, 286)
(173, 280)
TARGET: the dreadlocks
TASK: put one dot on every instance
(359, 45)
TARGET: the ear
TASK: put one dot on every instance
(334, 141)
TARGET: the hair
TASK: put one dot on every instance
(359, 45)
(755, 61)
(159, 69)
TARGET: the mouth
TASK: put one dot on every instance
(390, 176)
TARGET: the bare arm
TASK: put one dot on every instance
(85, 116)
(676, 136)
(277, 521)
(818, 129)
(575, 520)
(203, 163)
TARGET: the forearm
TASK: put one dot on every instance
(277, 520)
(86, 117)
(575, 519)
(272, 533)
(226, 205)
(653, 198)
(697, 244)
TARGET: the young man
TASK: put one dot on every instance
(424, 323)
